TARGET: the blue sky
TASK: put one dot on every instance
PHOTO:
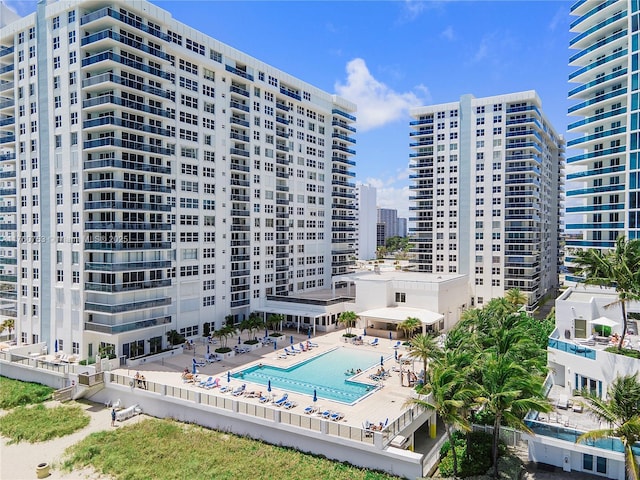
(389, 56)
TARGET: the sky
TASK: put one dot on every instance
(390, 56)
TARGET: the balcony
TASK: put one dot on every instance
(96, 37)
(125, 327)
(126, 185)
(104, 56)
(118, 244)
(123, 266)
(237, 71)
(127, 307)
(116, 142)
(110, 77)
(126, 287)
(141, 107)
(112, 120)
(108, 11)
(118, 163)
(126, 226)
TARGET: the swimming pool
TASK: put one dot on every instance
(323, 373)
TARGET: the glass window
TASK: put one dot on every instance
(587, 462)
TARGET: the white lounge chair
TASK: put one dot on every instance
(310, 409)
(374, 342)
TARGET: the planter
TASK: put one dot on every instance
(42, 470)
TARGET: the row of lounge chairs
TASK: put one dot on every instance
(283, 401)
(324, 413)
(294, 350)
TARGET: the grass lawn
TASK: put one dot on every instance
(38, 424)
(165, 449)
(14, 393)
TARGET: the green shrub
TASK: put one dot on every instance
(627, 352)
(250, 342)
(478, 460)
(275, 334)
(349, 335)
(14, 393)
(223, 350)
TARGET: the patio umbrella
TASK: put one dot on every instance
(315, 395)
(193, 369)
(275, 345)
(309, 333)
(381, 360)
(604, 321)
(56, 346)
(291, 339)
(390, 337)
(395, 352)
(229, 376)
(208, 349)
(269, 386)
(266, 333)
(238, 340)
(364, 332)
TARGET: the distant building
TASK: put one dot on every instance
(389, 218)
(402, 227)
(367, 222)
(380, 234)
(486, 193)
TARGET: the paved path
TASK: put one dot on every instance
(19, 461)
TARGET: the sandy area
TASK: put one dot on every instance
(19, 461)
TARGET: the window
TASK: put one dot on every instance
(401, 297)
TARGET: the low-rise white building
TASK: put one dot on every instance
(386, 298)
(578, 361)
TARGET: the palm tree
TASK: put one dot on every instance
(516, 297)
(448, 391)
(621, 411)
(618, 268)
(8, 324)
(508, 390)
(425, 348)
(409, 326)
(349, 319)
(274, 320)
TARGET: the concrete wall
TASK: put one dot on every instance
(397, 462)
(569, 456)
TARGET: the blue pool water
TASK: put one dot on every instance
(323, 373)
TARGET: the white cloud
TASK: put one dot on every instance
(392, 193)
(447, 33)
(377, 104)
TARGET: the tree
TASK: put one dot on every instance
(621, 411)
(424, 348)
(409, 325)
(174, 338)
(349, 319)
(516, 297)
(8, 324)
(508, 390)
(618, 268)
(255, 323)
(274, 320)
(449, 391)
(224, 333)
(381, 252)
(245, 325)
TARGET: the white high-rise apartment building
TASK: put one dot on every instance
(367, 219)
(486, 193)
(153, 178)
(388, 217)
(603, 191)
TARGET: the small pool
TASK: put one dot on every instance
(323, 373)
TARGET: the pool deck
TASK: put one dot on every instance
(384, 403)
